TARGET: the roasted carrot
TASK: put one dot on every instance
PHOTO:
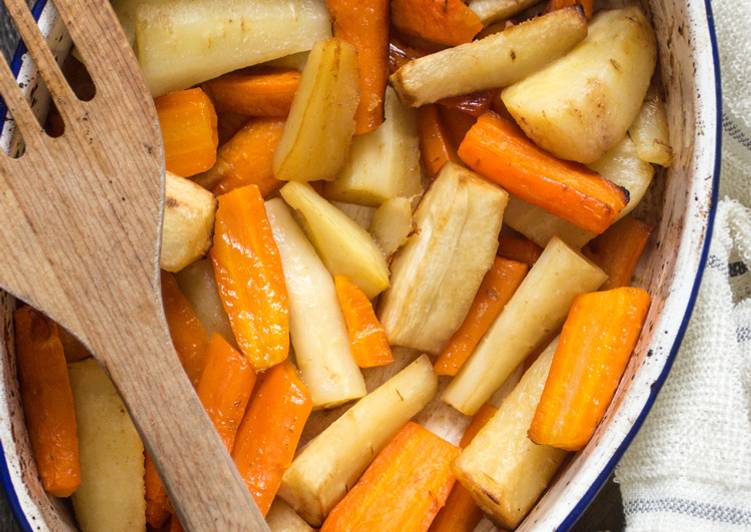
(158, 507)
(499, 284)
(74, 350)
(617, 250)
(457, 124)
(474, 104)
(403, 488)
(587, 5)
(400, 53)
(498, 150)
(249, 276)
(435, 147)
(367, 338)
(365, 25)
(229, 124)
(47, 401)
(270, 431)
(515, 246)
(174, 525)
(598, 337)
(246, 159)
(448, 22)
(265, 93)
(189, 129)
(461, 514)
(186, 329)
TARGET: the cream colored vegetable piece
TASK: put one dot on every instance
(436, 274)
(505, 472)
(199, 286)
(392, 224)
(318, 132)
(495, 61)
(317, 329)
(331, 464)
(361, 214)
(188, 222)
(282, 518)
(493, 10)
(650, 131)
(536, 310)
(295, 61)
(345, 247)
(181, 44)
(580, 106)
(384, 163)
(111, 495)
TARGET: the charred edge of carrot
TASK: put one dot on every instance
(618, 250)
(449, 22)
(473, 104)
(257, 93)
(435, 148)
(515, 246)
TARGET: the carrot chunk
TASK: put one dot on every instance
(266, 93)
(435, 147)
(596, 342)
(249, 276)
(189, 129)
(448, 22)
(270, 431)
(367, 338)
(587, 6)
(473, 104)
(158, 506)
(515, 246)
(497, 287)
(618, 250)
(365, 25)
(498, 150)
(403, 488)
(47, 401)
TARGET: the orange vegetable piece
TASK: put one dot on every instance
(47, 401)
(586, 5)
(266, 93)
(515, 246)
(618, 250)
(249, 276)
(158, 506)
(189, 129)
(229, 124)
(596, 342)
(187, 331)
(435, 147)
(497, 287)
(461, 514)
(270, 431)
(246, 159)
(403, 488)
(498, 150)
(448, 22)
(367, 338)
(473, 104)
(457, 124)
(400, 54)
(365, 25)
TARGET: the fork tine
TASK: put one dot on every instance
(19, 106)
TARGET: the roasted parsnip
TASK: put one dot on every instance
(188, 221)
(392, 224)
(495, 61)
(493, 10)
(181, 44)
(650, 131)
(384, 163)
(361, 214)
(325, 470)
(282, 518)
(436, 273)
(536, 310)
(317, 329)
(345, 247)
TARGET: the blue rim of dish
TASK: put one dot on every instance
(595, 487)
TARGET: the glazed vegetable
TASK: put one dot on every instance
(514, 246)
(367, 339)
(345, 247)
(448, 22)
(261, 93)
(595, 345)
(229, 124)
(436, 274)
(111, 495)
(246, 159)
(182, 43)
(501, 467)
(248, 272)
(580, 107)
(586, 5)
(365, 25)
(383, 164)
(317, 328)
(293, 61)
(650, 131)
(270, 431)
(362, 215)
(186, 330)
(188, 221)
(158, 506)
(392, 224)
(325, 469)
(400, 491)
(189, 129)
(494, 61)
(47, 401)
(497, 287)
(499, 151)
(282, 518)
(198, 285)
(535, 311)
(617, 250)
(457, 124)
(474, 103)
(494, 10)
(435, 147)
(319, 129)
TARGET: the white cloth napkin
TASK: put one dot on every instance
(689, 468)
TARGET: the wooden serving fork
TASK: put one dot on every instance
(80, 222)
